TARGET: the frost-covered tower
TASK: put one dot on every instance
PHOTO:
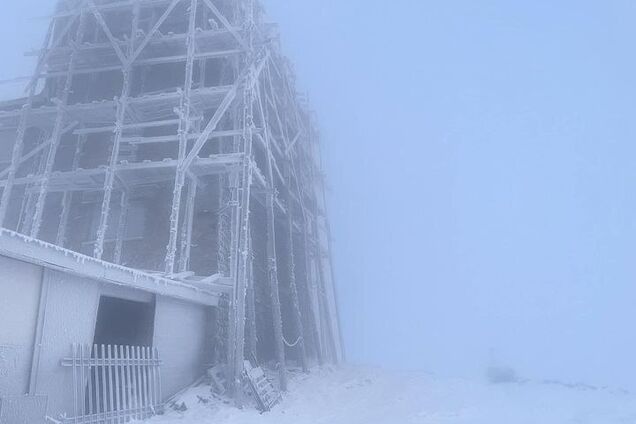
(167, 136)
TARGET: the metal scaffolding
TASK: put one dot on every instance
(176, 123)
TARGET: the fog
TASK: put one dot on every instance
(480, 158)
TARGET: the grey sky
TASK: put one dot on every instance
(481, 158)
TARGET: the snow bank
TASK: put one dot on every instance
(373, 396)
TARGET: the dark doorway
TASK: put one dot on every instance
(123, 328)
(124, 322)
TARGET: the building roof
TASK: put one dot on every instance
(21, 247)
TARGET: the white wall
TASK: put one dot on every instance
(180, 338)
(20, 285)
(71, 311)
(69, 316)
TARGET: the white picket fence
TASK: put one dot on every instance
(114, 384)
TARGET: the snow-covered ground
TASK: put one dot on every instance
(372, 396)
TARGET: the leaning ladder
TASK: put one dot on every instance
(265, 394)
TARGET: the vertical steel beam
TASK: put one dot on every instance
(312, 288)
(57, 129)
(122, 223)
(22, 127)
(186, 231)
(310, 282)
(67, 198)
(122, 105)
(242, 256)
(293, 289)
(323, 255)
(291, 272)
(184, 129)
(28, 207)
(272, 267)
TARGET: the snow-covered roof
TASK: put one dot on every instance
(48, 255)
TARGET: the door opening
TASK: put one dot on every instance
(124, 322)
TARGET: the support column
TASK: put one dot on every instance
(237, 344)
(186, 228)
(122, 105)
(184, 129)
(57, 131)
(18, 146)
(298, 319)
(314, 310)
(252, 342)
(121, 227)
(67, 199)
(272, 268)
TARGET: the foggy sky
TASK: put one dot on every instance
(481, 158)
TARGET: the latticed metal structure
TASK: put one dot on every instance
(167, 136)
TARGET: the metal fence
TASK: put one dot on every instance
(114, 384)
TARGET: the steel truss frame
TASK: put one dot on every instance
(266, 116)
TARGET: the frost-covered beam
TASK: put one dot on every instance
(64, 181)
(37, 150)
(46, 51)
(310, 283)
(20, 247)
(19, 142)
(114, 42)
(57, 133)
(67, 198)
(122, 226)
(217, 13)
(131, 126)
(272, 265)
(183, 132)
(188, 221)
(116, 5)
(143, 62)
(122, 105)
(175, 137)
(290, 243)
(135, 54)
(210, 127)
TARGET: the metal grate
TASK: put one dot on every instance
(114, 384)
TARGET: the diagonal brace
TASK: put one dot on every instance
(152, 32)
(111, 37)
(217, 13)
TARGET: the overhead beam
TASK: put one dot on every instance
(217, 13)
(114, 42)
(152, 32)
